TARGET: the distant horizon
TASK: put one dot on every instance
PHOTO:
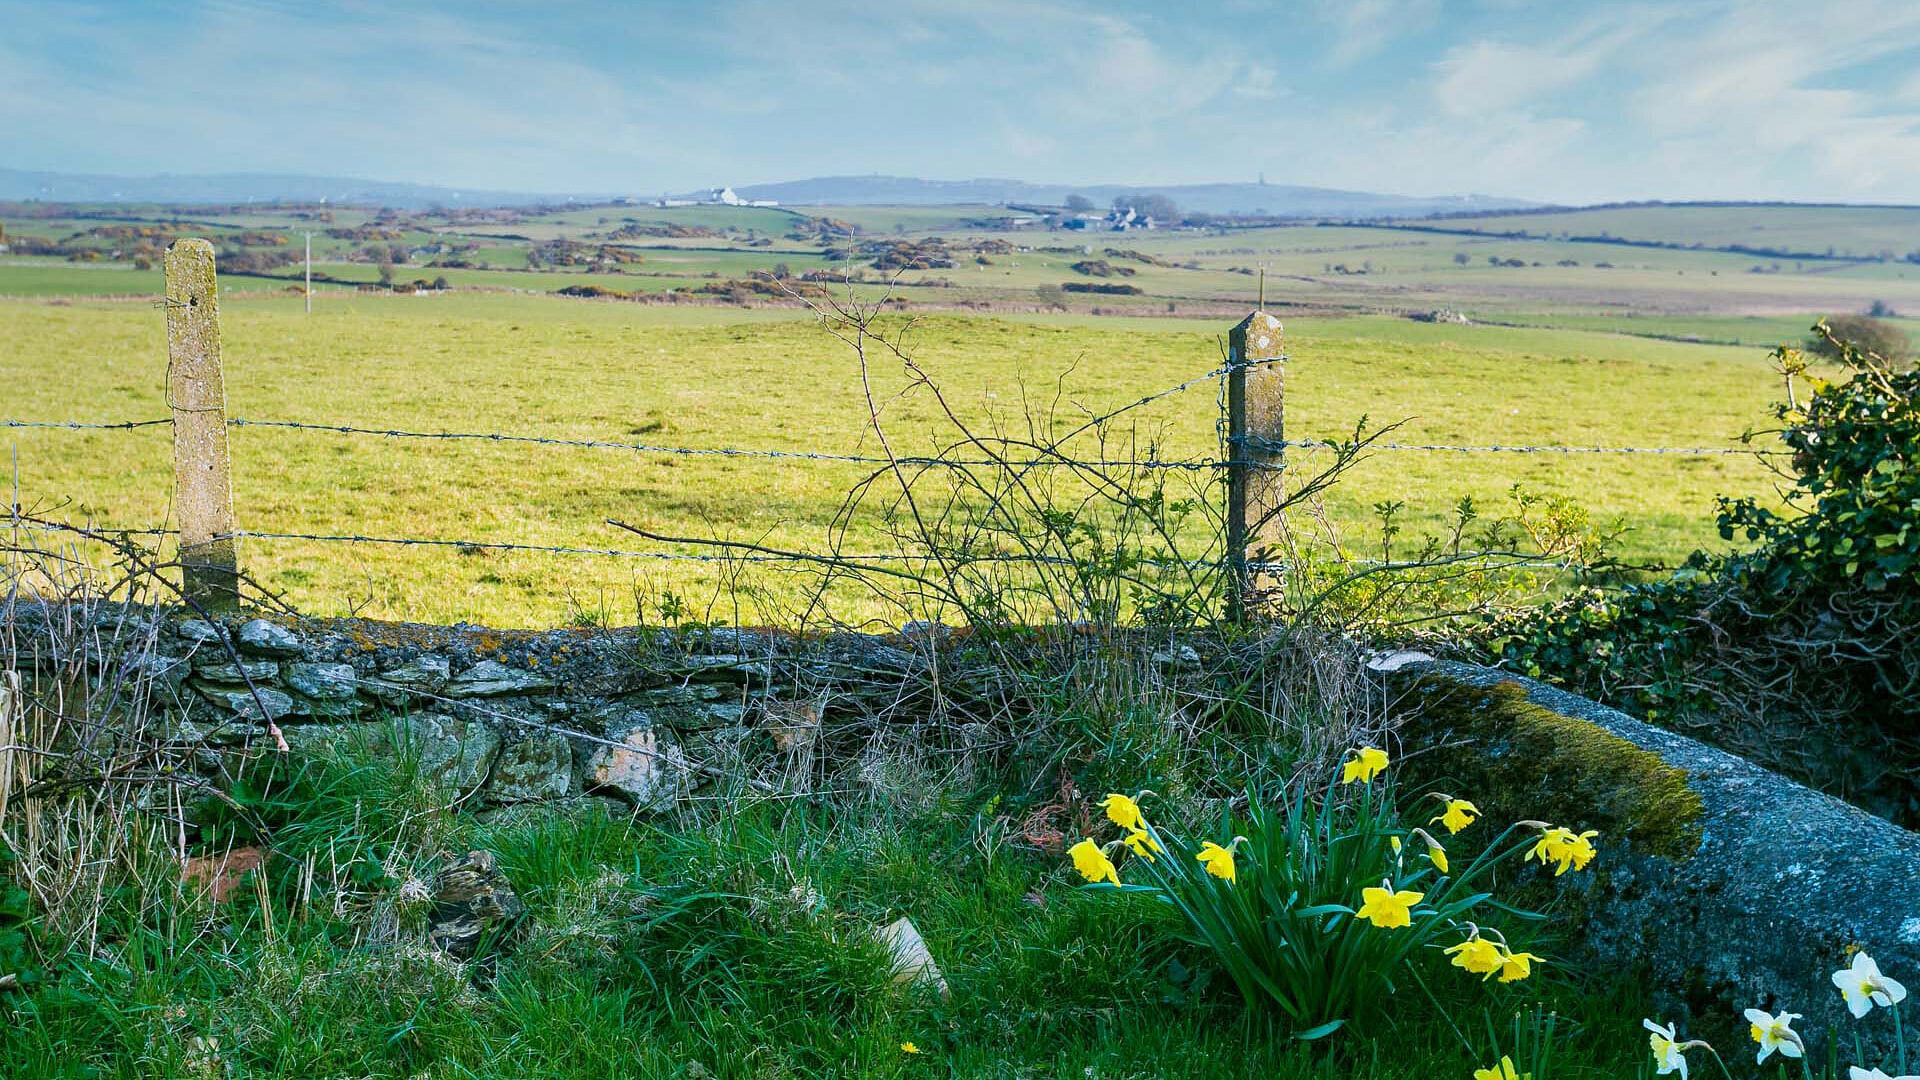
(475, 197)
(1671, 100)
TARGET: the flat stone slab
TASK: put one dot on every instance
(268, 638)
(1737, 889)
(536, 767)
(490, 678)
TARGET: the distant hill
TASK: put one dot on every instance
(1276, 199)
(1283, 200)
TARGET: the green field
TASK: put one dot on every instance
(1868, 232)
(1574, 343)
(705, 377)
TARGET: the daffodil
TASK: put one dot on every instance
(1476, 954)
(1775, 1033)
(1219, 860)
(1458, 815)
(1093, 863)
(1436, 854)
(1561, 845)
(1141, 844)
(1502, 1071)
(1123, 812)
(1515, 966)
(1864, 987)
(1667, 1049)
(1855, 1072)
(1366, 764)
(1386, 908)
(909, 1048)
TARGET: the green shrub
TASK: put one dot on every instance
(1799, 650)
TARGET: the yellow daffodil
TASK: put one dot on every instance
(1387, 909)
(1775, 1033)
(1478, 955)
(1515, 966)
(909, 1048)
(1502, 1071)
(1458, 815)
(1366, 764)
(1561, 845)
(1864, 987)
(1093, 863)
(1122, 811)
(1219, 860)
(1394, 841)
(1436, 854)
(1142, 844)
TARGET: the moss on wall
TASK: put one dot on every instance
(1518, 759)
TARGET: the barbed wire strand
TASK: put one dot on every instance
(494, 545)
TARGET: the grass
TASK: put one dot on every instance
(722, 944)
(1857, 231)
(768, 379)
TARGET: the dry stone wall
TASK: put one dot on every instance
(514, 716)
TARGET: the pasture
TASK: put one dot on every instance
(772, 379)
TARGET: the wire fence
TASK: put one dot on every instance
(871, 459)
(1245, 453)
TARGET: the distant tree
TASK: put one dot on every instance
(1865, 332)
(386, 273)
(442, 283)
(1881, 310)
(781, 271)
(1158, 207)
(1079, 204)
(1051, 295)
(1461, 258)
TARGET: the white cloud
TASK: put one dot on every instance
(1362, 28)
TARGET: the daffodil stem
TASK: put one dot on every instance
(1899, 1040)
(1717, 1060)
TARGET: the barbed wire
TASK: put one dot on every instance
(913, 461)
(78, 425)
(1496, 448)
(723, 451)
(673, 556)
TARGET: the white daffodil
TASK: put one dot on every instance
(1775, 1033)
(1855, 1072)
(1864, 987)
(1665, 1042)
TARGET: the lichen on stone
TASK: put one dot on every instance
(1519, 759)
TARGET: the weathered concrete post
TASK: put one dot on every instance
(197, 394)
(1256, 402)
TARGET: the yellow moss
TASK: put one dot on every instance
(1518, 759)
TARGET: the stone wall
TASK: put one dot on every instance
(513, 716)
(1731, 886)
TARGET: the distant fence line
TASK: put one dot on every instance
(861, 459)
(1251, 423)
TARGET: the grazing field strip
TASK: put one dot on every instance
(710, 378)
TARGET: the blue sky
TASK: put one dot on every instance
(1547, 99)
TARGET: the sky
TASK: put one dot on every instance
(1571, 101)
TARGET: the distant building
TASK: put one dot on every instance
(720, 196)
